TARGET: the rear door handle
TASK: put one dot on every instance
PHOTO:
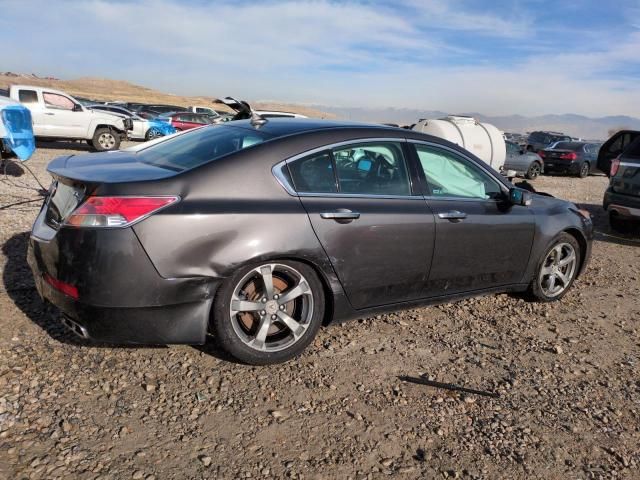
(49, 113)
(453, 215)
(340, 215)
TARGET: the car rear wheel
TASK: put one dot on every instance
(557, 269)
(584, 170)
(268, 313)
(105, 139)
(534, 171)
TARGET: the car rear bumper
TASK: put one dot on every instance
(623, 205)
(104, 282)
(557, 167)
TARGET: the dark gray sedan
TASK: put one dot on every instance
(575, 158)
(259, 232)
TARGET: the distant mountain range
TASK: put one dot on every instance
(102, 89)
(571, 124)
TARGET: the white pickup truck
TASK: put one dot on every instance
(58, 116)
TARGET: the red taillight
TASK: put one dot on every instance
(64, 287)
(569, 156)
(541, 153)
(615, 165)
(116, 211)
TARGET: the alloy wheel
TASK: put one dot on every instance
(154, 133)
(558, 269)
(534, 170)
(271, 307)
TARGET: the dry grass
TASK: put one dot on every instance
(105, 89)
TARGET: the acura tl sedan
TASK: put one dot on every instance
(258, 232)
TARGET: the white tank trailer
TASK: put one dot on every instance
(482, 139)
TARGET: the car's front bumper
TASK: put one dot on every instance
(119, 296)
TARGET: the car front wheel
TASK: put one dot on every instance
(557, 269)
(534, 171)
(268, 313)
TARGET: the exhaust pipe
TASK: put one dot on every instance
(76, 328)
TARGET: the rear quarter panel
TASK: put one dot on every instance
(233, 212)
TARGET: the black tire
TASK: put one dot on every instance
(105, 139)
(534, 171)
(537, 291)
(150, 134)
(584, 170)
(227, 326)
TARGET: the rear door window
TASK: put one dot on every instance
(28, 96)
(372, 169)
(376, 168)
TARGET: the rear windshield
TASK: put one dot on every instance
(199, 146)
(575, 146)
(633, 150)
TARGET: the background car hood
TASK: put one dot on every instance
(109, 117)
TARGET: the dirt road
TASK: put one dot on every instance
(567, 375)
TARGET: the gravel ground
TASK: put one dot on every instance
(566, 375)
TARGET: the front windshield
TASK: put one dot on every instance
(199, 146)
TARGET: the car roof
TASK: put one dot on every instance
(289, 126)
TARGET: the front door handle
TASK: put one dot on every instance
(49, 113)
(453, 215)
(342, 214)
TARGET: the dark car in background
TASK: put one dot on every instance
(614, 147)
(622, 197)
(524, 163)
(540, 140)
(260, 231)
(575, 158)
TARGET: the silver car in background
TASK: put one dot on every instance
(523, 162)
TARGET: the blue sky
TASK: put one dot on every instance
(496, 57)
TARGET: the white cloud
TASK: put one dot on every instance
(455, 15)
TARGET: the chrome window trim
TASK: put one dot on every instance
(361, 195)
(278, 171)
(502, 186)
(282, 179)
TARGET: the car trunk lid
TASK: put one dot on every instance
(559, 155)
(77, 177)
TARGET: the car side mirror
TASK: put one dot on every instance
(77, 107)
(518, 196)
(522, 152)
